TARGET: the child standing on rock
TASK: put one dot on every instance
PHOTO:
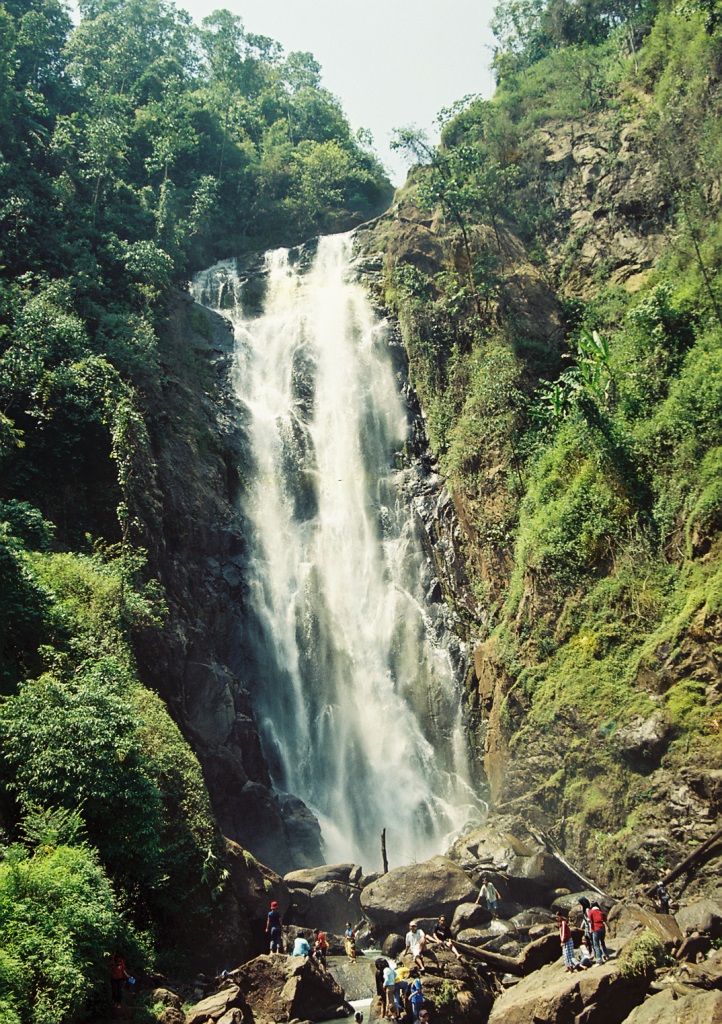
(565, 937)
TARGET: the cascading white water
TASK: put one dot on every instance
(358, 706)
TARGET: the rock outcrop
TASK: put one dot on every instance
(423, 890)
(285, 988)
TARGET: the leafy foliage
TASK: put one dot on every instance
(586, 459)
(59, 922)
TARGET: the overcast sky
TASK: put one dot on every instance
(390, 62)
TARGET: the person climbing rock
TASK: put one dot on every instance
(401, 992)
(415, 944)
(490, 894)
(663, 895)
(598, 923)
(274, 928)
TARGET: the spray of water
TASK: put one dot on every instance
(357, 702)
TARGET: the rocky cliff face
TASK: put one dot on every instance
(607, 185)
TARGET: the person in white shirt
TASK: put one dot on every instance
(389, 1007)
(490, 893)
(415, 944)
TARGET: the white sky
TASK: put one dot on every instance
(391, 63)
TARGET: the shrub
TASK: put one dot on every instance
(642, 956)
(58, 923)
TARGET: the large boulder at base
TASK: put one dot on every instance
(469, 915)
(507, 844)
(627, 918)
(703, 916)
(393, 945)
(673, 1008)
(552, 996)
(310, 877)
(458, 994)
(284, 988)
(298, 910)
(428, 889)
(332, 904)
(216, 1006)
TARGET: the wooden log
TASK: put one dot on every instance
(688, 863)
(383, 852)
(497, 962)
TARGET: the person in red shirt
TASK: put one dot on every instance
(565, 937)
(598, 923)
(118, 974)
(321, 947)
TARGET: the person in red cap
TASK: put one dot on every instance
(274, 928)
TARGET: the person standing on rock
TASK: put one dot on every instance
(349, 938)
(598, 923)
(415, 944)
(389, 1008)
(416, 994)
(274, 928)
(663, 897)
(586, 926)
(490, 894)
(380, 965)
(565, 937)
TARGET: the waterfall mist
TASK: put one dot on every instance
(357, 700)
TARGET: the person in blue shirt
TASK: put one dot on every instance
(274, 928)
(301, 947)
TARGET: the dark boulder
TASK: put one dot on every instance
(425, 890)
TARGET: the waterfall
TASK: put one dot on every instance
(357, 701)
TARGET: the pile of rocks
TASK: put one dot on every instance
(510, 971)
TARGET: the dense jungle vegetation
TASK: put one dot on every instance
(583, 442)
(135, 148)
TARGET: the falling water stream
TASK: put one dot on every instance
(356, 698)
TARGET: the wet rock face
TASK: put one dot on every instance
(196, 549)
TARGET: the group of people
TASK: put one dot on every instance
(592, 949)
(401, 992)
